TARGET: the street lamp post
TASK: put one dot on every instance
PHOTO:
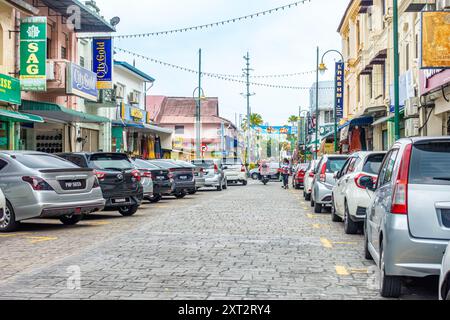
(198, 99)
(317, 107)
(323, 68)
(396, 70)
(304, 128)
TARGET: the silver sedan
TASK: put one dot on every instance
(39, 185)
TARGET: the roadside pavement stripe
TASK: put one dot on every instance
(326, 243)
(363, 270)
(98, 223)
(41, 239)
(342, 271)
(348, 243)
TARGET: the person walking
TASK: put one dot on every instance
(286, 173)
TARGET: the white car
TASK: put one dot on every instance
(444, 281)
(309, 179)
(2, 206)
(235, 171)
(350, 198)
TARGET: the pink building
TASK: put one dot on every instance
(178, 114)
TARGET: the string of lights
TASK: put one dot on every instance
(214, 75)
(214, 24)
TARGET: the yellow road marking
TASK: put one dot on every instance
(41, 239)
(349, 243)
(342, 271)
(9, 235)
(363, 270)
(311, 216)
(326, 243)
(98, 223)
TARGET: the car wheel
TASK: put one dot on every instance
(220, 187)
(255, 176)
(350, 227)
(390, 286)
(71, 220)
(448, 296)
(180, 195)
(128, 211)
(334, 216)
(244, 183)
(155, 199)
(192, 192)
(8, 222)
(318, 208)
(367, 254)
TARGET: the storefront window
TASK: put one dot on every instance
(4, 133)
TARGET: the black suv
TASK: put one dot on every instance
(118, 179)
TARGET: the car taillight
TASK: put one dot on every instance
(323, 173)
(216, 168)
(147, 174)
(38, 184)
(400, 195)
(311, 174)
(100, 175)
(243, 169)
(358, 180)
(136, 175)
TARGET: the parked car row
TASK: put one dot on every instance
(68, 186)
(399, 200)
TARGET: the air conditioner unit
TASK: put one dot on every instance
(443, 5)
(412, 127)
(50, 70)
(412, 107)
(133, 98)
(120, 92)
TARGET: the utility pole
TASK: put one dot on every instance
(198, 148)
(317, 107)
(396, 70)
(247, 74)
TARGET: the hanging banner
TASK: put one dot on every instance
(33, 54)
(273, 130)
(339, 91)
(103, 62)
(435, 40)
(9, 89)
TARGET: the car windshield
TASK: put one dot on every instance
(335, 164)
(430, 163)
(232, 162)
(43, 161)
(142, 164)
(206, 164)
(111, 162)
(373, 163)
(165, 164)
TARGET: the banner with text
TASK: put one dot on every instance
(339, 84)
(274, 130)
(435, 40)
(103, 62)
(33, 54)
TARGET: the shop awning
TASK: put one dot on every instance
(90, 21)
(361, 121)
(128, 125)
(158, 129)
(19, 117)
(61, 113)
(143, 126)
(389, 118)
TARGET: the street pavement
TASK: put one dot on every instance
(253, 242)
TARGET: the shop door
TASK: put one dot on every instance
(4, 135)
(91, 144)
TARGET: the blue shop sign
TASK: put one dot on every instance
(339, 82)
(103, 62)
(81, 82)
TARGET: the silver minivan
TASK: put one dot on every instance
(408, 221)
(213, 173)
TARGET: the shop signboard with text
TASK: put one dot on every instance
(9, 89)
(339, 87)
(433, 79)
(81, 82)
(103, 62)
(435, 39)
(33, 54)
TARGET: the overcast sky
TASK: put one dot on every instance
(283, 42)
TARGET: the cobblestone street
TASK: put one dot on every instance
(254, 242)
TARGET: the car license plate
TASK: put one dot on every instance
(183, 177)
(160, 178)
(120, 200)
(72, 185)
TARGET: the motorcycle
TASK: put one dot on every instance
(265, 175)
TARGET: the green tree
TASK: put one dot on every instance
(255, 121)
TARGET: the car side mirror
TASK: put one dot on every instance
(225, 168)
(337, 175)
(368, 183)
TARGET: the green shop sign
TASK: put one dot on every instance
(33, 54)
(9, 89)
